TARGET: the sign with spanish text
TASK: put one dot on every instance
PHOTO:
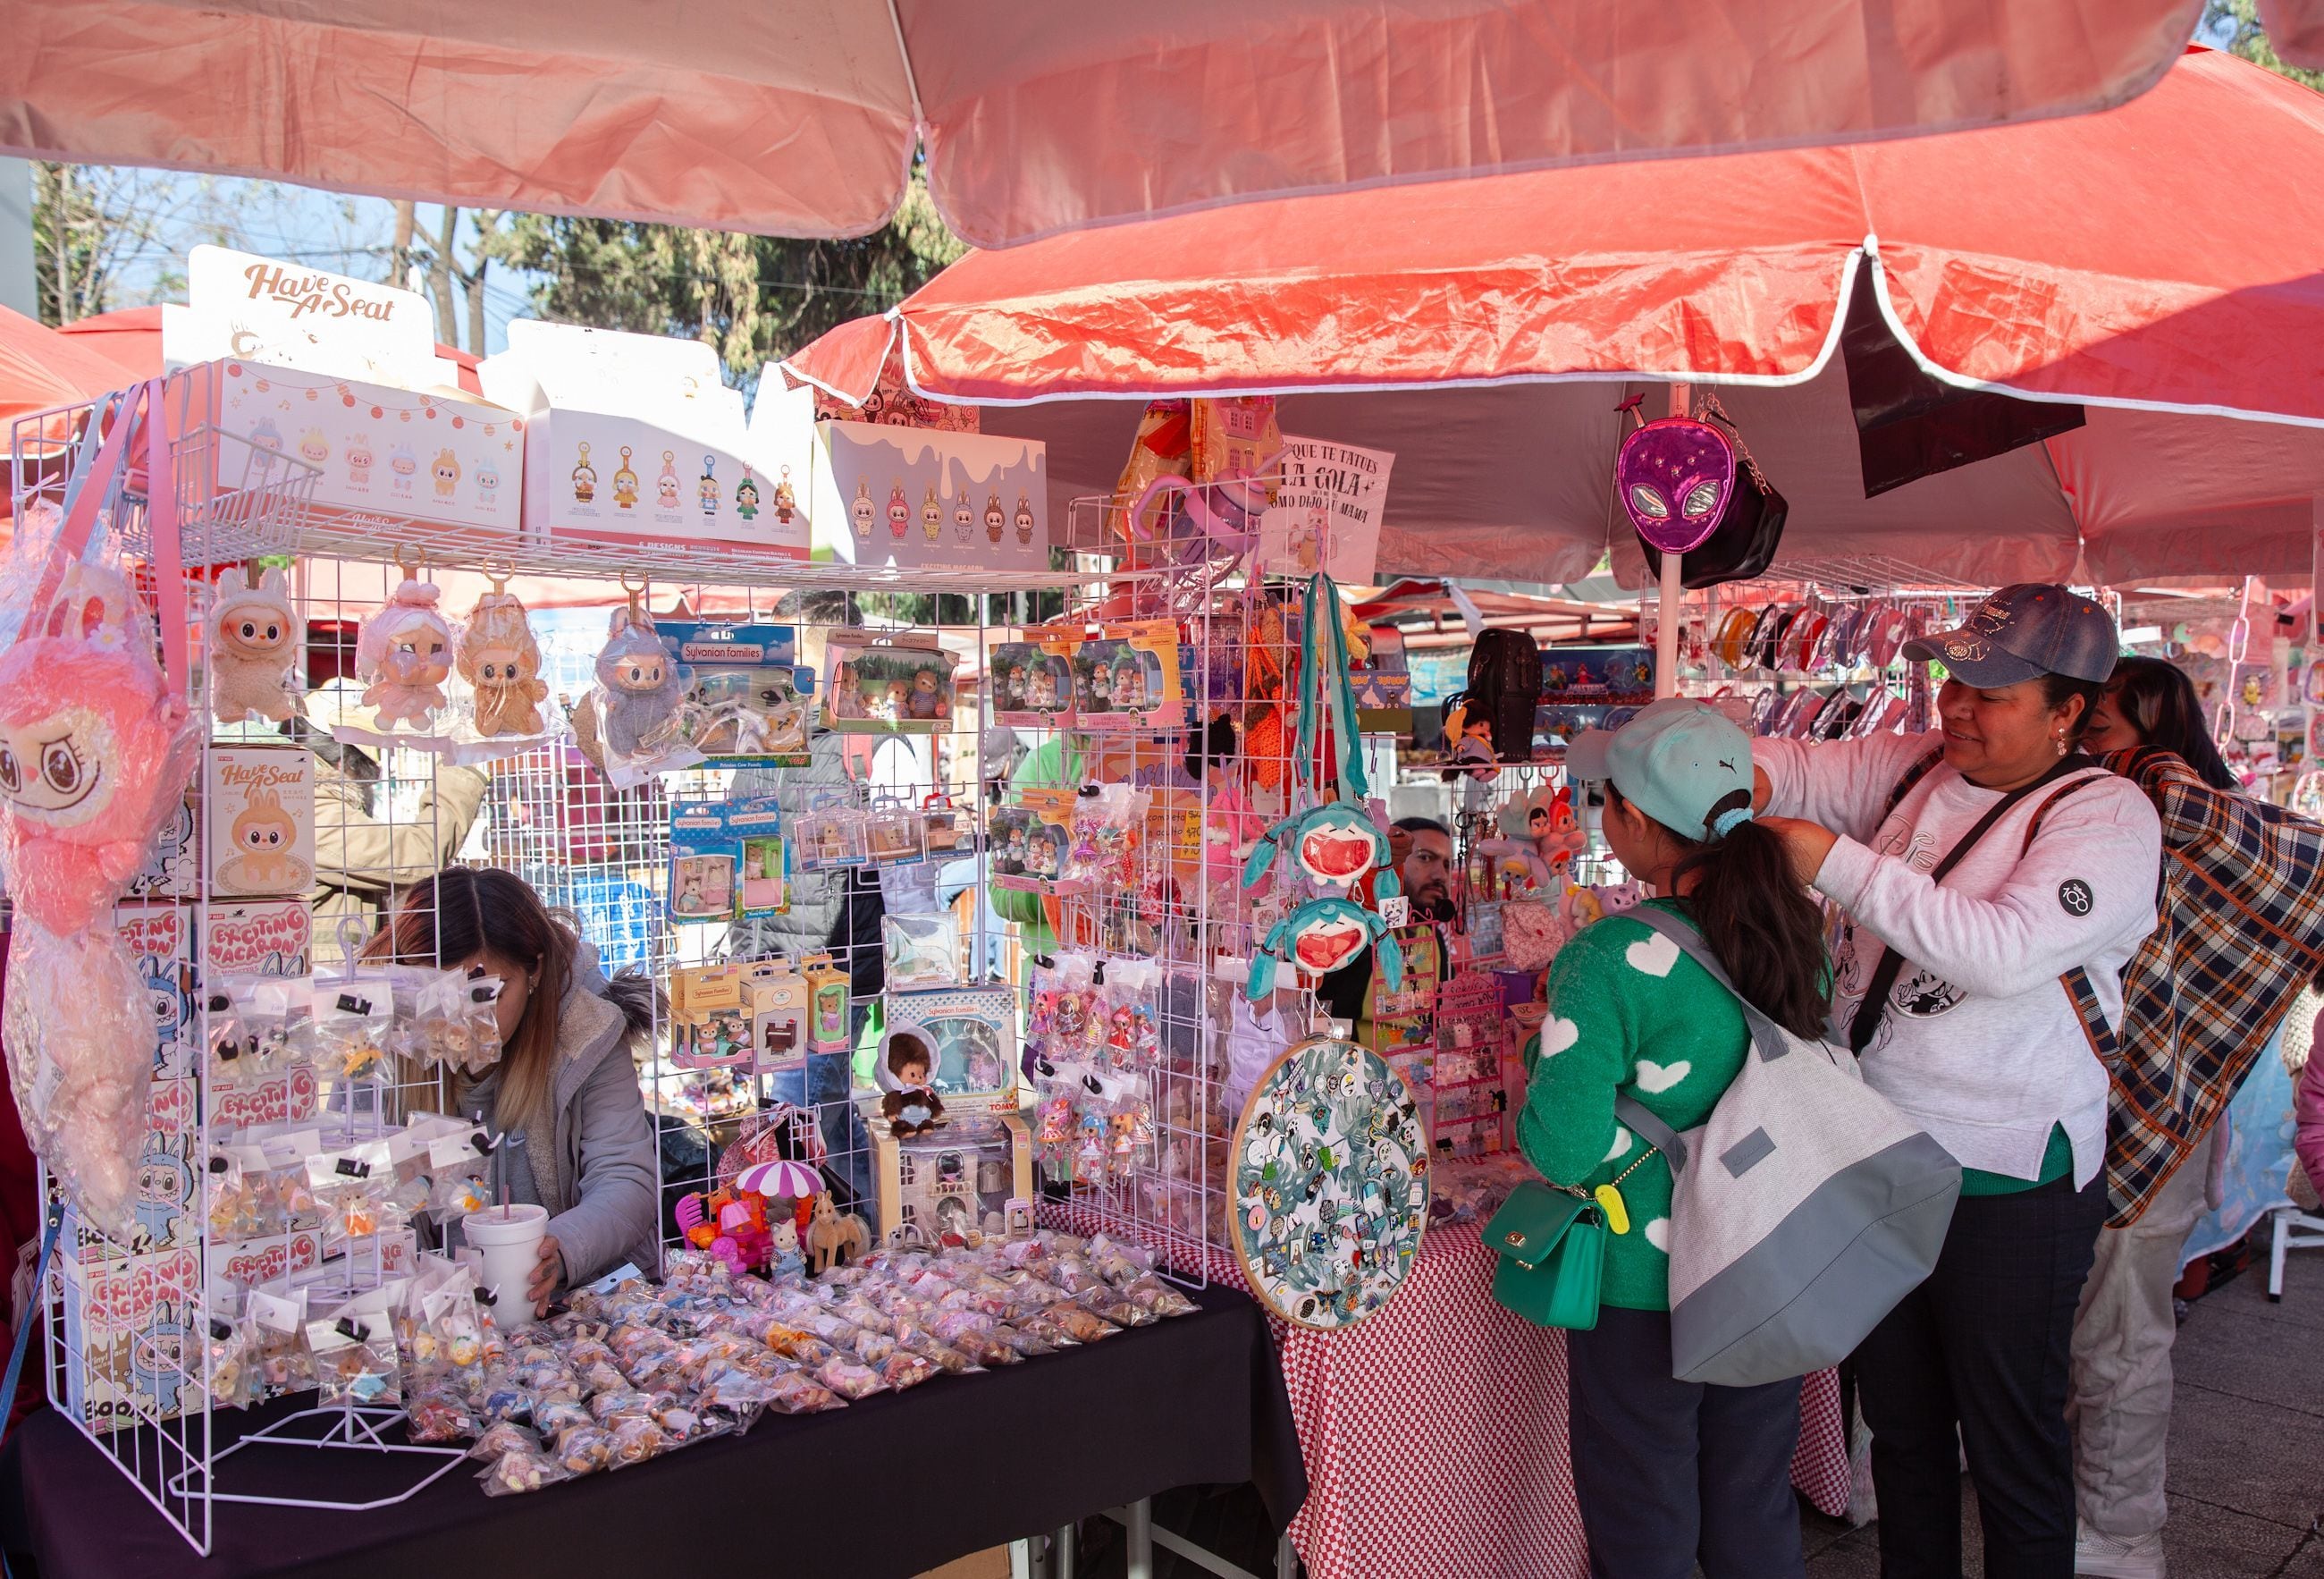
(1327, 509)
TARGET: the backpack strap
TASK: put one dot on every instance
(1766, 1036)
(1657, 1134)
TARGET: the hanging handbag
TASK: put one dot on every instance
(1689, 487)
(1552, 1248)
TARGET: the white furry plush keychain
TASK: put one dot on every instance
(255, 638)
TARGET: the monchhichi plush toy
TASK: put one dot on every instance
(255, 636)
(404, 655)
(498, 656)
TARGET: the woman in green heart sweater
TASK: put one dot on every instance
(1669, 1474)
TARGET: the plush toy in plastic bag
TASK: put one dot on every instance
(255, 637)
(499, 657)
(630, 725)
(404, 655)
(95, 753)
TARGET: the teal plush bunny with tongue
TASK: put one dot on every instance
(1336, 845)
(1320, 936)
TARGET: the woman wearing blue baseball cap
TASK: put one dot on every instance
(1990, 877)
(1668, 1473)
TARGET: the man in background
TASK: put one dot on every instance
(1420, 848)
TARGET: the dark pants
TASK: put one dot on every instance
(1672, 1472)
(1983, 1348)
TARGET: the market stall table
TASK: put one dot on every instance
(1193, 1401)
(1435, 1432)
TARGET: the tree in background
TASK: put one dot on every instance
(2235, 24)
(92, 223)
(752, 297)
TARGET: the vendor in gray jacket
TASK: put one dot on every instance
(565, 1086)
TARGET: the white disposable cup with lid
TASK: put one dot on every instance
(509, 1238)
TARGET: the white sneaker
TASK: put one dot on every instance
(2116, 1556)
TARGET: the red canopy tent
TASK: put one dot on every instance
(1476, 330)
(1035, 116)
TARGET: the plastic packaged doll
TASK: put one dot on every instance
(94, 752)
(404, 656)
(255, 637)
(632, 726)
(498, 657)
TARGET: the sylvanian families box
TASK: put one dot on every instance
(261, 821)
(343, 374)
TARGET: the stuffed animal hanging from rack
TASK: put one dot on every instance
(630, 727)
(1319, 937)
(404, 655)
(255, 638)
(95, 753)
(499, 657)
(1336, 844)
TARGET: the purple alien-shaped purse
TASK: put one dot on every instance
(1690, 488)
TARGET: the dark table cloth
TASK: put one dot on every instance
(897, 1484)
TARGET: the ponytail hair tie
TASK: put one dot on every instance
(1725, 822)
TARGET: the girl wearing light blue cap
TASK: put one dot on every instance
(1669, 1474)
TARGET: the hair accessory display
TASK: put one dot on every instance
(404, 655)
(255, 640)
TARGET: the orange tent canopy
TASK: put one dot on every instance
(1035, 116)
(40, 368)
(1474, 329)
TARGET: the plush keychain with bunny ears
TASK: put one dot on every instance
(1337, 844)
(1320, 936)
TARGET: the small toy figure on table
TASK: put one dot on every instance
(911, 1105)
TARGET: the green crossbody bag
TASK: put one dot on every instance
(1552, 1246)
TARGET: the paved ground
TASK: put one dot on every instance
(2246, 1457)
(2246, 1442)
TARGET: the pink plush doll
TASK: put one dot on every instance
(94, 754)
(404, 656)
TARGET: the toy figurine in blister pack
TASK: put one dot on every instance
(404, 654)
(498, 657)
(894, 835)
(255, 639)
(747, 697)
(1033, 682)
(921, 951)
(1125, 1031)
(827, 835)
(887, 685)
(946, 826)
(1319, 937)
(828, 988)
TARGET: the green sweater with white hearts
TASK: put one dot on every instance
(1629, 1014)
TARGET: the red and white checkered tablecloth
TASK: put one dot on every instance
(1435, 1431)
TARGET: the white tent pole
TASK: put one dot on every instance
(1670, 591)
